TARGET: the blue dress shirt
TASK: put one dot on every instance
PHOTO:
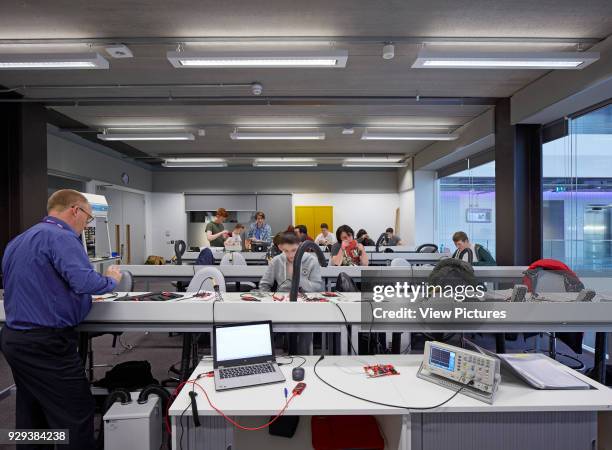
(48, 279)
(263, 233)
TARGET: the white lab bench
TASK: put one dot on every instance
(520, 417)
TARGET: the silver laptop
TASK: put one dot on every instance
(243, 355)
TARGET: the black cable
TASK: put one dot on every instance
(291, 362)
(416, 408)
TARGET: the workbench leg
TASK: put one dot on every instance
(406, 436)
(185, 356)
(601, 348)
(500, 343)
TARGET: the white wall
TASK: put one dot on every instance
(166, 221)
(373, 212)
(275, 182)
(72, 155)
(417, 209)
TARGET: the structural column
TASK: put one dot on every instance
(518, 189)
(23, 167)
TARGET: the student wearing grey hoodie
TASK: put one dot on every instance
(280, 268)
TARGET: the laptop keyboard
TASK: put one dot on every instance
(241, 371)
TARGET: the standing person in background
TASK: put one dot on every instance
(325, 237)
(364, 238)
(260, 230)
(302, 233)
(48, 282)
(347, 251)
(215, 231)
(391, 239)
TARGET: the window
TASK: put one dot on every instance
(466, 202)
(577, 193)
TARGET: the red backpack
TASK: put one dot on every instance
(572, 282)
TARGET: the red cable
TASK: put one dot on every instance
(236, 424)
(230, 420)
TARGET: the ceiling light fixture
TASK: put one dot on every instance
(398, 136)
(285, 162)
(52, 61)
(389, 161)
(428, 59)
(224, 59)
(146, 136)
(194, 162)
(277, 135)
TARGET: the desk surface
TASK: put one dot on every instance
(346, 373)
(245, 272)
(373, 256)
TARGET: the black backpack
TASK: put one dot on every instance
(452, 272)
(130, 375)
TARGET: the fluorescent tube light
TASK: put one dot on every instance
(428, 58)
(278, 135)
(146, 137)
(397, 136)
(52, 61)
(393, 161)
(285, 162)
(374, 164)
(221, 59)
(194, 162)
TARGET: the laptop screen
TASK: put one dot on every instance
(243, 342)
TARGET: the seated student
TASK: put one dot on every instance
(364, 239)
(391, 239)
(234, 241)
(280, 269)
(302, 233)
(326, 237)
(347, 251)
(475, 254)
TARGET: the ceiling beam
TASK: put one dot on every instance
(172, 40)
(240, 101)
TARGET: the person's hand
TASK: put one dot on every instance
(114, 273)
(225, 233)
(345, 244)
(360, 247)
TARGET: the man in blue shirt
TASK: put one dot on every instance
(260, 230)
(48, 282)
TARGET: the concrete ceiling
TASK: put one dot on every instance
(369, 91)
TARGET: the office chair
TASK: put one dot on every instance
(400, 262)
(201, 281)
(344, 283)
(552, 281)
(236, 259)
(427, 248)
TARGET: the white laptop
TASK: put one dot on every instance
(243, 355)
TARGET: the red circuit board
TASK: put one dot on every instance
(380, 370)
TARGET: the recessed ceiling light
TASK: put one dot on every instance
(119, 51)
(428, 58)
(146, 136)
(398, 136)
(285, 162)
(277, 135)
(194, 162)
(220, 59)
(52, 61)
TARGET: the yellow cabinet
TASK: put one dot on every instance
(313, 217)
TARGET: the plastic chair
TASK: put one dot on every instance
(127, 282)
(236, 259)
(201, 281)
(427, 248)
(400, 262)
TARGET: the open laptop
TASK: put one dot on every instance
(243, 355)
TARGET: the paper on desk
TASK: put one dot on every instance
(541, 372)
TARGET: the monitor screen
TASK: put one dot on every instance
(442, 358)
(243, 341)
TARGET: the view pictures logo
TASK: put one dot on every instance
(411, 292)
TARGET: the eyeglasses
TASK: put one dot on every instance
(90, 218)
